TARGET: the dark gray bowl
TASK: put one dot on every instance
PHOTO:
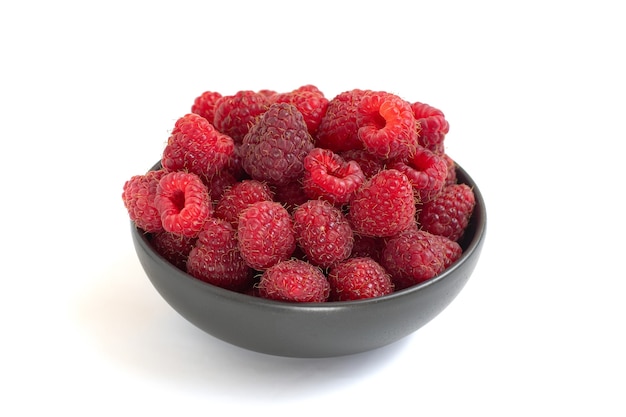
(316, 329)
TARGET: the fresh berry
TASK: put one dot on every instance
(328, 176)
(427, 172)
(449, 213)
(234, 114)
(414, 256)
(195, 146)
(451, 177)
(323, 233)
(138, 196)
(240, 196)
(174, 248)
(216, 259)
(204, 105)
(290, 195)
(218, 184)
(295, 281)
(433, 126)
(275, 147)
(370, 164)
(183, 203)
(357, 279)
(338, 130)
(386, 125)
(265, 234)
(383, 206)
(367, 246)
(310, 101)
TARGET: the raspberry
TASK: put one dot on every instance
(174, 248)
(367, 246)
(358, 278)
(216, 259)
(433, 126)
(218, 184)
(427, 172)
(323, 233)
(370, 164)
(449, 213)
(386, 125)
(138, 196)
(240, 196)
(338, 129)
(290, 195)
(183, 202)
(328, 176)
(195, 146)
(383, 206)
(265, 234)
(204, 105)
(294, 280)
(414, 256)
(234, 114)
(309, 101)
(275, 147)
(451, 178)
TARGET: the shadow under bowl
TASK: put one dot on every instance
(313, 329)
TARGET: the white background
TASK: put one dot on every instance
(534, 92)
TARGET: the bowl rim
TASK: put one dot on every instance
(480, 225)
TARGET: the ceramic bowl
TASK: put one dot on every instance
(313, 329)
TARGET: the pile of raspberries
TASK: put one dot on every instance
(296, 197)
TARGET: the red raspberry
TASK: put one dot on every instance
(338, 129)
(451, 178)
(386, 125)
(383, 206)
(427, 172)
(275, 147)
(358, 278)
(174, 248)
(328, 176)
(204, 105)
(290, 195)
(216, 258)
(433, 126)
(218, 184)
(296, 281)
(449, 213)
(367, 246)
(323, 233)
(195, 146)
(235, 114)
(240, 196)
(414, 256)
(309, 101)
(183, 202)
(370, 164)
(265, 234)
(138, 196)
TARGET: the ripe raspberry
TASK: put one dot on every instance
(195, 146)
(386, 125)
(370, 164)
(204, 105)
(328, 176)
(338, 129)
(427, 172)
(433, 126)
(357, 279)
(174, 248)
(234, 114)
(414, 256)
(449, 213)
(275, 147)
(240, 196)
(323, 233)
(309, 101)
(265, 234)
(290, 195)
(138, 196)
(183, 202)
(451, 178)
(367, 246)
(296, 281)
(216, 259)
(383, 206)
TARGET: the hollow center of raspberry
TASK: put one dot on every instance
(379, 121)
(178, 198)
